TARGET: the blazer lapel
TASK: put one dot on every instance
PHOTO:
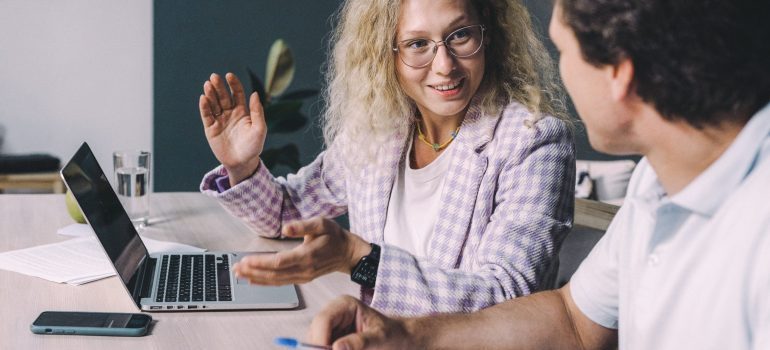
(461, 186)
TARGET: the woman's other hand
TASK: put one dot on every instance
(236, 132)
(326, 248)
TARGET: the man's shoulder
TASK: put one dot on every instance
(755, 189)
(755, 186)
(744, 216)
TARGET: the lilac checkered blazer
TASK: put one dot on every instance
(507, 204)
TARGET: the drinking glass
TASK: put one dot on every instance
(132, 182)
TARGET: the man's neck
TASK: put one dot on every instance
(680, 152)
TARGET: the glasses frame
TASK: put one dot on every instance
(443, 42)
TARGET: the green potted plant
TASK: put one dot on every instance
(282, 109)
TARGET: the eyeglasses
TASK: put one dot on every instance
(463, 42)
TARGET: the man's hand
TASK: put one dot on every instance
(545, 320)
(351, 325)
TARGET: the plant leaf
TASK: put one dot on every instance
(299, 94)
(288, 123)
(277, 110)
(256, 85)
(284, 117)
(280, 68)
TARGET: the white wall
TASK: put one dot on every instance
(74, 71)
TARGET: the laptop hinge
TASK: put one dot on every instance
(143, 288)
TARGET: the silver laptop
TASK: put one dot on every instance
(162, 282)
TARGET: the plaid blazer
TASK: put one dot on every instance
(507, 204)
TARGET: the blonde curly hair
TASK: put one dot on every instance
(365, 103)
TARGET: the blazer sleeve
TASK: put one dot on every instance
(533, 210)
(265, 202)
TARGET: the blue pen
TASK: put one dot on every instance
(296, 344)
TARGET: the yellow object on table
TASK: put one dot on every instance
(32, 181)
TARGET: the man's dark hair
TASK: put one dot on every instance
(703, 61)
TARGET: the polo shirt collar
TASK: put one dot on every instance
(711, 188)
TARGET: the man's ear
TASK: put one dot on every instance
(621, 80)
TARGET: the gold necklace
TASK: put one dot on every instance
(436, 147)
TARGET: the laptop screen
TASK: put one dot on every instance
(105, 214)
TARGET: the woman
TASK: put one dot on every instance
(445, 147)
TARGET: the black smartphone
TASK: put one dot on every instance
(91, 323)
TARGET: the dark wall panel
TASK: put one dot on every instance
(194, 38)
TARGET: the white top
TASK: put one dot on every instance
(414, 204)
(690, 271)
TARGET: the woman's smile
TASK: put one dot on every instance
(450, 88)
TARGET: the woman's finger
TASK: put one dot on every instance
(206, 115)
(295, 229)
(239, 97)
(277, 261)
(275, 277)
(315, 226)
(256, 111)
(219, 86)
(211, 96)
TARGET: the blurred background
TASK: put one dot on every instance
(127, 75)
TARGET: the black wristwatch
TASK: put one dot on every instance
(365, 272)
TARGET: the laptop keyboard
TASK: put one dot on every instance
(199, 277)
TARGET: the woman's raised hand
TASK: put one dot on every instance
(235, 132)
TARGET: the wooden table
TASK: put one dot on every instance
(191, 218)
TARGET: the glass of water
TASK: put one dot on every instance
(132, 182)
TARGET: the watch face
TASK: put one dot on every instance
(365, 272)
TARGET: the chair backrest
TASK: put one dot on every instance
(591, 221)
(593, 214)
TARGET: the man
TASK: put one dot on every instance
(686, 262)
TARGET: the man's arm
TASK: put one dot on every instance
(546, 320)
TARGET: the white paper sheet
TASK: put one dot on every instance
(76, 261)
(153, 245)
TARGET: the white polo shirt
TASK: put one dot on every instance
(690, 271)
